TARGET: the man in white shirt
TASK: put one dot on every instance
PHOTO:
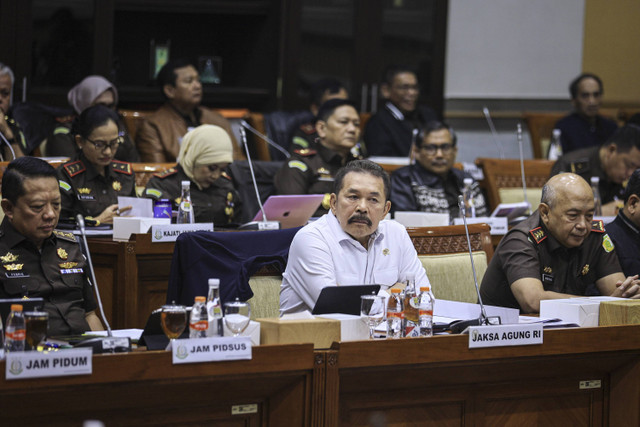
(350, 245)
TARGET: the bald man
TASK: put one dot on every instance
(558, 252)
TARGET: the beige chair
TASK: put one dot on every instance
(266, 296)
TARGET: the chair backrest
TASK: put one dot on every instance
(133, 120)
(503, 179)
(444, 253)
(257, 145)
(541, 126)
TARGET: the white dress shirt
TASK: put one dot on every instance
(322, 254)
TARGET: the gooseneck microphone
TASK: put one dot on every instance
(244, 124)
(496, 140)
(524, 180)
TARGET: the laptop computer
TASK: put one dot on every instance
(31, 304)
(292, 210)
(342, 299)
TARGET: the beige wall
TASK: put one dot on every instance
(612, 47)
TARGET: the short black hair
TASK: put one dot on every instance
(625, 138)
(21, 169)
(633, 186)
(573, 87)
(393, 70)
(167, 74)
(93, 117)
(362, 166)
(319, 88)
(328, 108)
(434, 126)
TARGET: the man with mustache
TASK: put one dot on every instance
(558, 252)
(433, 184)
(350, 245)
(161, 133)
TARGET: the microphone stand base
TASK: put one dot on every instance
(107, 344)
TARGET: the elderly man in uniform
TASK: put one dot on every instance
(625, 229)
(311, 171)
(351, 245)
(161, 133)
(613, 163)
(433, 184)
(37, 260)
(558, 252)
(8, 126)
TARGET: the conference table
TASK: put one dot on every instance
(581, 376)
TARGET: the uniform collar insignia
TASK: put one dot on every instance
(62, 253)
(13, 267)
(84, 190)
(597, 225)
(116, 185)
(324, 171)
(9, 257)
(538, 234)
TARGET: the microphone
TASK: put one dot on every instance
(256, 225)
(100, 344)
(244, 124)
(524, 181)
(460, 326)
(496, 140)
(13, 153)
(414, 138)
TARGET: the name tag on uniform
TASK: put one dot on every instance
(86, 197)
(71, 271)
(15, 274)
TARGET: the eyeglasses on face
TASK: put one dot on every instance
(113, 144)
(432, 149)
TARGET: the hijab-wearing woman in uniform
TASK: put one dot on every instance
(91, 182)
(205, 153)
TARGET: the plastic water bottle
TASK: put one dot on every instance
(426, 311)
(214, 309)
(15, 333)
(555, 147)
(597, 201)
(469, 203)
(395, 315)
(185, 211)
(199, 322)
(411, 303)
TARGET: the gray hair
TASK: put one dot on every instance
(548, 195)
(6, 71)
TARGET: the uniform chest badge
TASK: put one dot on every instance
(13, 267)
(9, 257)
(547, 270)
(84, 190)
(116, 185)
(385, 251)
(68, 264)
(62, 253)
(585, 269)
(324, 171)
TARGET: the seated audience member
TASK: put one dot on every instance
(305, 135)
(558, 252)
(432, 184)
(389, 132)
(93, 90)
(351, 245)
(311, 171)
(625, 229)
(613, 163)
(40, 261)
(161, 133)
(204, 155)
(585, 127)
(9, 128)
(91, 182)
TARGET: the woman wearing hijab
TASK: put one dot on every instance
(92, 181)
(93, 90)
(205, 153)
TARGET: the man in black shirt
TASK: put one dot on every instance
(625, 229)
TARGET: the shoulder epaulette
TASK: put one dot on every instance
(308, 128)
(74, 168)
(121, 167)
(597, 225)
(166, 173)
(305, 152)
(226, 176)
(65, 119)
(538, 234)
(65, 235)
(579, 166)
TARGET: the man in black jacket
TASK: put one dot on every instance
(625, 229)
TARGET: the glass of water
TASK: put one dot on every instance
(372, 311)
(237, 315)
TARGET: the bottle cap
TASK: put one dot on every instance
(425, 288)
(201, 299)
(467, 181)
(186, 183)
(396, 291)
(595, 179)
(214, 283)
(16, 307)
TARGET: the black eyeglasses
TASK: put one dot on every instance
(113, 144)
(432, 149)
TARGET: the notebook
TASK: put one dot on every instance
(291, 210)
(342, 299)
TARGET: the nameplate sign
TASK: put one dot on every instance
(169, 233)
(505, 335)
(215, 349)
(40, 364)
(499, 225)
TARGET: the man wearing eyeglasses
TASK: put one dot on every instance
(432, 184)
(389, 132)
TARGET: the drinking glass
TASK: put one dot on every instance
(372, 311)
(237, 315)
(36, 323)
(173, 320)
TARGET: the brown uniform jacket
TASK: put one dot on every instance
(160, 134)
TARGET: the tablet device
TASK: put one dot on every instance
(343, 299)
(292, 210)
(153, 336)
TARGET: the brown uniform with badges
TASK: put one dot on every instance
(528, 250)
(311, 172)
(57, 274)
(219, 203)
(304, 137)
(85, 191)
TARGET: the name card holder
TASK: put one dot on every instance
(170, 232)
(214, 349)
(505, 335)
(41, 364)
